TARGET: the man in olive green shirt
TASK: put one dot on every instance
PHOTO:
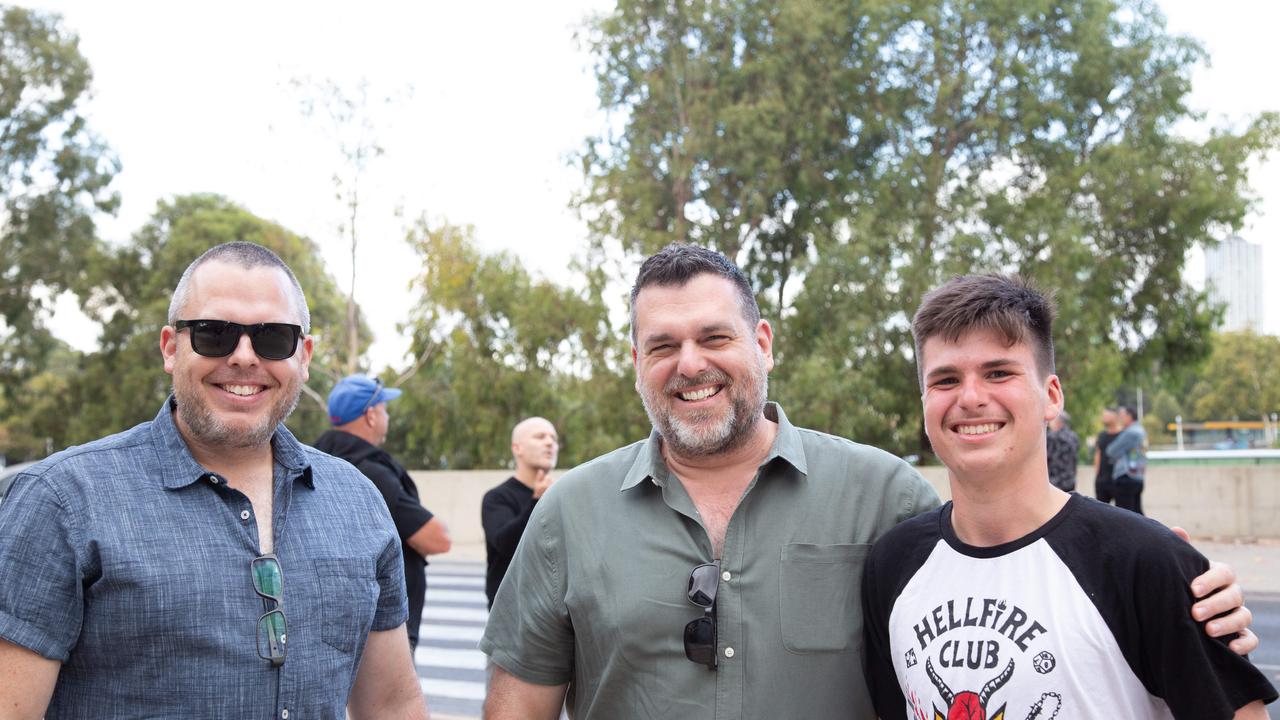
(597, 595)
(712, 570)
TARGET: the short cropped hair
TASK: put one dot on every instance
(677, 264)
(1128, 410)
(1008, 305)
(247, 255)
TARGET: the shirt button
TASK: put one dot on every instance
(285, 713)
(728, 652)
(244, 514)
(726, 576)
(213, 479)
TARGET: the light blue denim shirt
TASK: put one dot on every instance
(129, 562)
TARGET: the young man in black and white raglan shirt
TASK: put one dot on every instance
(1017, 600)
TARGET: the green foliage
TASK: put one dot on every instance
(54, 177)
(1241, 380)
(499, 346)
(853, 155)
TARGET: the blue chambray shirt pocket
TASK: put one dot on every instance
(821, 597)
(348, 600)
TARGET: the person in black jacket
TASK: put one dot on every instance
(506, 508)
(358, 412)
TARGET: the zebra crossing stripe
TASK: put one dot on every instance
(449, 658)
(455, 581)
(456, 597)
(454, 612)
(436, 631)
(450, 667)
(457, 689)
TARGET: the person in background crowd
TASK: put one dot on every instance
(505, 511)
(1064, 453)
(1104, 485)
(1128, 455)
(358, 412)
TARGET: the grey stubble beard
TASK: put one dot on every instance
(689, 439)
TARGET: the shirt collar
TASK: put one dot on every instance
(179, 469)
(787, 446)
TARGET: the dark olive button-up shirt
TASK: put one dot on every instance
(596, 594)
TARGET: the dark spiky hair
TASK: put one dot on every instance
(676, 264)
(1008, 305)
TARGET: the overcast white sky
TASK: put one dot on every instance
(194, 98)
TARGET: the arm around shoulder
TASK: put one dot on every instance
(510, 698)
(1123, 442)
(27, 680)
(387, 684)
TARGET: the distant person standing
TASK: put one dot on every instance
(1103, 484)
(358, 411)
(1063, 449)
(505, 511)
(1128, 453)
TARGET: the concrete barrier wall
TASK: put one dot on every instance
(1223, 501)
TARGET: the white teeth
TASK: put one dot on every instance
(977, 429)
(700, 394)
(243, 390)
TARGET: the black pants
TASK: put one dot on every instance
(1105, 489)
(1128, 493)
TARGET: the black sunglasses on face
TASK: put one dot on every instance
(700, 634)
(268, 582)
(219, 338)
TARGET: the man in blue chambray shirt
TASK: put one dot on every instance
(206, 563)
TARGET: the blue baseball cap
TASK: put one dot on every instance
(354, 394)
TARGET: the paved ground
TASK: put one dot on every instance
(452, 669)
(450, 666)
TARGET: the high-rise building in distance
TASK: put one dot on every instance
(1233, 276)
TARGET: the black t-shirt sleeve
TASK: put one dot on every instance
(1196, 675)
(406, 512)
(504, 518)
(877, 604)
(1139, 580)
(894, 560)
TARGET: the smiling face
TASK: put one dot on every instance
(701, 370)
(238, 400)
(985, 407)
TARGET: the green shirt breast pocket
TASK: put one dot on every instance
(821, 597)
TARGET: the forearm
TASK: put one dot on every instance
(431, 539)
(1123, 443)
(26, 682)
(386, 683)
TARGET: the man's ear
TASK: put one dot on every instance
(764, 340)
(169, 347)
(307, 347)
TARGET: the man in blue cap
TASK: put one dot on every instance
(358, 412)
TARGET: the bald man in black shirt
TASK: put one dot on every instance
(506, 508)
